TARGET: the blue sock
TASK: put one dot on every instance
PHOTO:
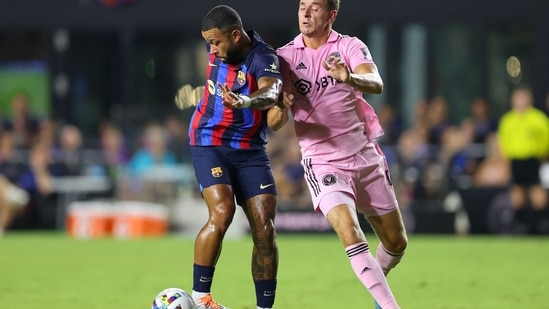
(202, 278)
(265, 291)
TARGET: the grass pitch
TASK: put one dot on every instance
(52, 271)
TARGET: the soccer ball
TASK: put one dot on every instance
(173, 298)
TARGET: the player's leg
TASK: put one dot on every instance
(536, 195)
(208, 243)
(377, 199)
(221, 209)
(260, 211)
(213, 175)
(344, 220)
(256, 191)
(12, 200)
(331, 188)
(391, 233)
(5, 214)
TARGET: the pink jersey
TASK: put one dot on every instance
(331, 119)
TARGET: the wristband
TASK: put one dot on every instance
(246, 101)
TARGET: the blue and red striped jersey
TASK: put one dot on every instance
(212, 124)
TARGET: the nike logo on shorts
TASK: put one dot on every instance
(262, 186)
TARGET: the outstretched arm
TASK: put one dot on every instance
(364, 78)
(265, 97)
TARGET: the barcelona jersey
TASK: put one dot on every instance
(212, 124)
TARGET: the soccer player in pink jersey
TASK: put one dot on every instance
(325, 75)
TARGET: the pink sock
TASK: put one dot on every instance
(370, 274)
(387, 260)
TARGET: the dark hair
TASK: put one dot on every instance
(223, 18)
(522, 87)
(332, 5)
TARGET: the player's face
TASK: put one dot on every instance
(314, 17)
(223, 45)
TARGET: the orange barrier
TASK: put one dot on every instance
(124, 220)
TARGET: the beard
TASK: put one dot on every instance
(234, 56)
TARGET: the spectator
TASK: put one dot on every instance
(24, 125)
(391, 123)
(288, 171)
(114, 155)
(69, 153)
(113, 148)
(178, 139)
(153, 152)
(37, 181)
(483, 123)
(494, 170)
(437, 117)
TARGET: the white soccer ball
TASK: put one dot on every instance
(173, 298)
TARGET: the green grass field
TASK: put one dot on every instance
(52, 271)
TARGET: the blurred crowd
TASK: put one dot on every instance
(429, 158)
(35, 152)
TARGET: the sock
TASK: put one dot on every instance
(265, 291)
(370, 274)
(521, 215)
(202, 280)
(387, 260)
(539, 221)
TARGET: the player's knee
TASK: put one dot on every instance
(222, 217)
(350, 235)
(264, 238)
(396, 243)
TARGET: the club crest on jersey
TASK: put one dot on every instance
(241, 78)
(335, 54)
(217, 172)
(329, 179)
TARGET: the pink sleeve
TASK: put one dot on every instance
(286, 72)
(357, 53)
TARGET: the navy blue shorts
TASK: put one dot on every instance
(248, 171)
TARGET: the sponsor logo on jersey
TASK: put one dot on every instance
(303, 86)
(272, 68)
(301, 66)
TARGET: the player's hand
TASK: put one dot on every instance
(230, 99)
(337, 68)
(287, 99)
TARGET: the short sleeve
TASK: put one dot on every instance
(266, 63)
(358, 53)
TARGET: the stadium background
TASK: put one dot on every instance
(84, 62)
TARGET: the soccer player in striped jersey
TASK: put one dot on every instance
(325, 75)
(228, 137)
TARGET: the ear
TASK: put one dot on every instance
(236, 35)
(332, 16)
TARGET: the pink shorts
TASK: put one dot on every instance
(362, 179)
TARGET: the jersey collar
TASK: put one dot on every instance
(298, 41)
